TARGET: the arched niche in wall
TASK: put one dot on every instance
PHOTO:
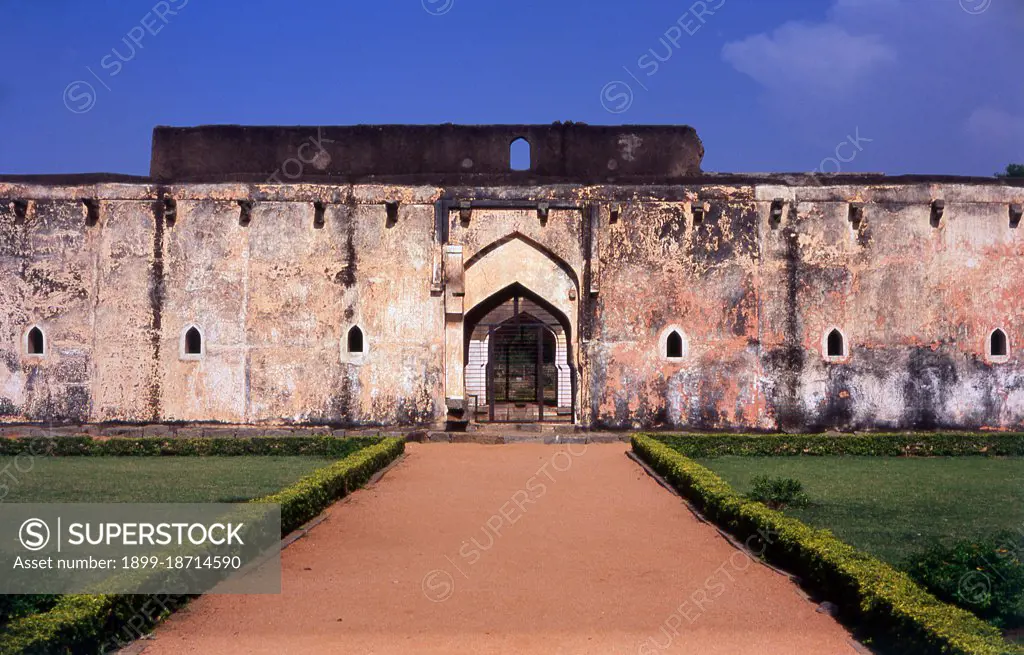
(673, 344)
(354, 345)
(193, 343)
(997, 346)
(35, 342)
(835, 346)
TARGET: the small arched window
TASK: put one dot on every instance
(835, 344)
(997, 344)
(35, 342)
(519, 155)
(674, 345)
(193, 341)
(355, 340)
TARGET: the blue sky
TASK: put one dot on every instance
(923, 86)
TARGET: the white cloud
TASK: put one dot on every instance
(809, 58)
(931, 82)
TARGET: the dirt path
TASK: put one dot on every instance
(512, 549)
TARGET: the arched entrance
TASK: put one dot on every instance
(517, 359)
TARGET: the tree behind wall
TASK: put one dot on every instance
(1012, 170)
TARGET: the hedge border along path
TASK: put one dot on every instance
(877, 444)
(81, 623)
(882, 600)
(338, 447)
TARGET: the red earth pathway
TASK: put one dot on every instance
(465, 548)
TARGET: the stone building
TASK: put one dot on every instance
(406, 275)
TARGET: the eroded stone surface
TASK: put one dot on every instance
(753, 293)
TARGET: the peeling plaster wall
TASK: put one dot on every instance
(47, 272)
(753, 296)
(917, 302)
(274, 301)
(125, 382)
(658, 269)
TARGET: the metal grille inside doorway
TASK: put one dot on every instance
(521, 379)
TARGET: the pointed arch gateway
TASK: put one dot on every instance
(518, 360)
(518, 334)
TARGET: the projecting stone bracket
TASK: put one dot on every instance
(19, 208)
(245, 212)
(856, 214)
(938, 211)
(92, 211)
(699, 210)
(775, 213)
(391, 213)
(168, 208)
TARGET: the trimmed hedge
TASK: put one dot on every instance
(311, 495)
(892, 444)
(85, 624)
(334, 447)
(82, 623)
(884, 601)
(982, 575)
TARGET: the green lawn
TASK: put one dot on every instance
(151, 479)
(894, 507)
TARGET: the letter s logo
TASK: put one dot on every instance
(34, 534)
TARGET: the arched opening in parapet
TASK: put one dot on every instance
(998, 345)
(835, 345)
(355, 340)
(519, 155)
(518, 364)
(35, 343)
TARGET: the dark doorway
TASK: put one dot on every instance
(522, 380)
(517, 360)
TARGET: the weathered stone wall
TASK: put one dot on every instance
(915, 296)
(47, 268)
(659, 269)
(753, 281)
(274, 301)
